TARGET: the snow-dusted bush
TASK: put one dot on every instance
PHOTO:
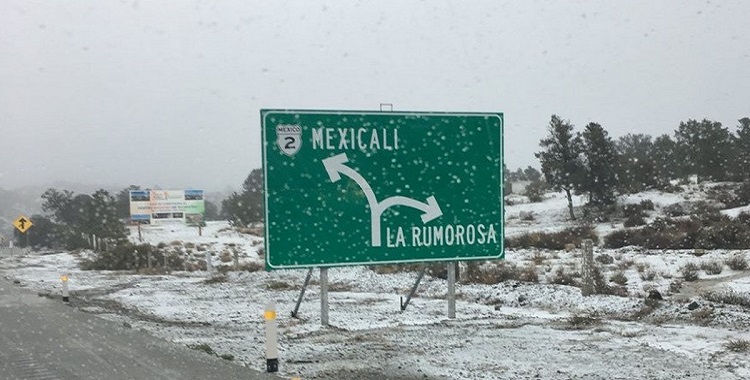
(743, 193)
(647, 205)
(535, 191)
(562, 277)
(127, 256)
(690, 272)
(736, 262)
(710, 230)
(553, 240)
(634, 220)
(728, 296)
(712, 266)
(493, 273)
(604, 259)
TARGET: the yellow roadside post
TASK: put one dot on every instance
(65, 295)
(272, 351)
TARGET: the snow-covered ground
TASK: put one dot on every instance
(511, 329)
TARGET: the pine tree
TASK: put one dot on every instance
(741, 164)
(705, 148)
(637, 167)
(601, 166)
(561, 159)
(246, 207)
(667, 166)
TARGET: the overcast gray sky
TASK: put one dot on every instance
(168, 93)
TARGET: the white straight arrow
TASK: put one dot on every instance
(335, 167)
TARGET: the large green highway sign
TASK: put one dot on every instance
(361, 188)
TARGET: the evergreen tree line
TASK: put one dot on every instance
(592, 163)
(73, 220)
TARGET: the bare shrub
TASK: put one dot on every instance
(674, 209)
(396, 268)
(712, 267)
(553, 240)
(500, 272)
(538, 258)
(279, 285)
(647, 275)
(225, 257)
(736, 262)
(526, 216)
(675, 286)
(535, 191)
(647, 205)
(216, 279)
(690, 272)
(529, 274)
(203, 347)
(625, 264)
(601, 286)
(633, 210)
(580, 321)
(634, 221)
(703, 315)
(252, 266)
(561, 277)
(619, 278)
(737, 345)
(604, 259)
(729, 297)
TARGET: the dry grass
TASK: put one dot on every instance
(737, 345)
(619, 278)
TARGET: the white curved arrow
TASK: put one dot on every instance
(335, 167)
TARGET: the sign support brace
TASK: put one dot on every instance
(413, 289)
(302, 293)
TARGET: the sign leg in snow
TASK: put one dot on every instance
(324, 296)
(451, 289)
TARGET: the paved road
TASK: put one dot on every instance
(43, 339)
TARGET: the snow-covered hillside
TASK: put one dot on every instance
(510, 329)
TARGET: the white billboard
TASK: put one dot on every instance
(155, 206)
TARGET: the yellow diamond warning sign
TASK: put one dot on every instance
(22, 224)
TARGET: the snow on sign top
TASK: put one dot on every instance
(362, 188)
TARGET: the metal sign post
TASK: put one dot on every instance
(451, 289)
(324, 296)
